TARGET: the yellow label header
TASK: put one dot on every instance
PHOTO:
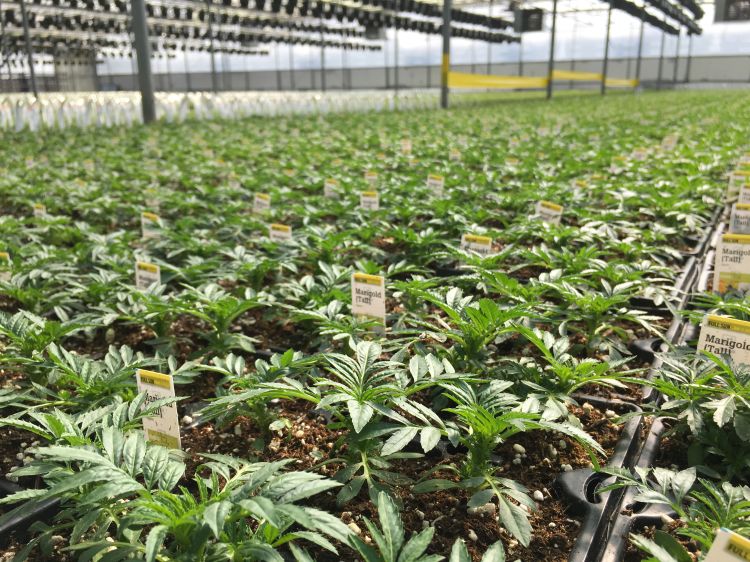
(153, 217)
(145, 266)
(550, 205)
(5, 256)
(369, 279)
(264, 196)
(743, 206)
(281, 228)
(727, 323)
(155, 379)
(476, 239)
(370, 193)
(736, 238)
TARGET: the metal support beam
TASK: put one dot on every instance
(143, 50)
(188, 85)
(292, 85)
(322, 58)
(277, 48)
(677, 55)
(606, 52)
(429, 64)
(445, 63)
(209, 19)
(551, 63)
(489, 45)
(689, 57)
(661, 60)
(395, 61)
(520, 54)
(640, 53)
(27, 41)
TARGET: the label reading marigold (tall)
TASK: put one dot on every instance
(163, 428)
(368, 296)
(732, 263)
(549, 212)
(728, 546)
(723, 335)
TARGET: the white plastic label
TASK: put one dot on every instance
(639, 154)
(39, 210)
(369, 200)
(728, 546)
(150, 225)
(480, 244)
(732, 263)
(722, 335)
(163, 428)
(146, 274)
(744, 195)
(261, 203)
(280, 233)
(436, 183)
(371, 178)
(368, 296)
(549, 212)
(455, 155)
(5, 266)
(330, 187)
(739, 220)
(406, 146)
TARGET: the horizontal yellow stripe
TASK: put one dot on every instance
(281, 228)
(465, 80)
(370, 193)
(158, 438)
(621, 83)
(576, 75)
(155, 379)
(264, 196)
(369, 279)
(742, 206)
(435, 177)
(150, 216)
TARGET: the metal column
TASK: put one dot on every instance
(689, 57)
(606, 52)
(551, 63)
(661, 59)
(677, 55)
(445, 63)
(429, 64)
(292, 85)
(489, 46)
(640, 54)
(143, 50)
(27, 41)
(278, 66)
(395, 61)
(322, 58)
(188, 85)
(210, 17)
(520, 54)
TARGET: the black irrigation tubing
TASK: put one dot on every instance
(18, 524)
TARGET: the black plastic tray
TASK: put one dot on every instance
(579, 487)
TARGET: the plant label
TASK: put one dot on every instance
(152, 201)
(436, 184)
(454, 155)
(728, 546)
(39, 210)
(722, 335)
(737, 179)
(261, 203)
(739, 219)
(146, 274)
(5, 266)
(514, 142)
(744, 195)
(369, 200)
(288, 172)
(549, 212)
(406, 146)
(512, 162)
(482, 245)
(371, 178)
(368, 296)
(280, 233)
(617, 164)
(639, 154)
(669, 143)
(150, 225)
(330, 187)
(338, 162)
(732, 263)
(163, 428)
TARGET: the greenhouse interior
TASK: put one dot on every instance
(375, 280)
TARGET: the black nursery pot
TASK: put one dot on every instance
(578, 488)
(19, 523)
